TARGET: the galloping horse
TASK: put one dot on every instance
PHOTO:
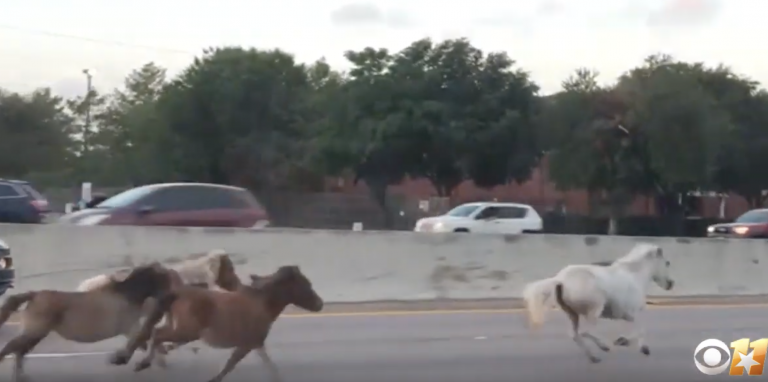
(84, 317)
(615, 291)
(241, 320)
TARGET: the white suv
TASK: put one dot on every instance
(501, 218)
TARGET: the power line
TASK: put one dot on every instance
(94, 40)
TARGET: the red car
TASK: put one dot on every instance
(176, 204)
(751, 224)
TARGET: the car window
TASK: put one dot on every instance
(169, 199)
(756, 216)
(8, 191)
(250, 200)
(32, 192)
(126, 198)
(195, 198)
(223, 198)
(488, 212)
(512, 212)
(463, 210)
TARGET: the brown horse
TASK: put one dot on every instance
(84, 317)
(224, 320)
(214, 270)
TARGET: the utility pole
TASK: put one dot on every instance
(87, 126)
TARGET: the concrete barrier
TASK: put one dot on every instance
(348, 266)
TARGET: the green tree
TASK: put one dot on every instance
(361, 131)
(745, 148)
(589, 146)
(34, 134)
(235, 116)
(132, 129)
(90, 156)
(680, 124)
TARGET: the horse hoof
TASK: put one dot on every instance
(119, 358)
(605, 348)
(621, 341)
(645, 350)
(141, 366)
(594, 359)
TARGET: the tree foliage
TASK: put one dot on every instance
(445, 111)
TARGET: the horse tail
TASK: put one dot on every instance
(161, 308)
(538, 298)
(566, 308)
(12, 305)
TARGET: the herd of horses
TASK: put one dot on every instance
(160, 308)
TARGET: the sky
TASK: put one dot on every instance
(48, 43)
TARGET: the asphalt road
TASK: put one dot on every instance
(445, 347)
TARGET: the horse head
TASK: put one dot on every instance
(223, 270)
(659, 265)
(289, 286)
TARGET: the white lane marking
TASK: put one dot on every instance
(481, 338)
(64, 355)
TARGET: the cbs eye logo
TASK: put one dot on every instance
(713, 357)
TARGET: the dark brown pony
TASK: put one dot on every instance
(224, 320)
(84, 317)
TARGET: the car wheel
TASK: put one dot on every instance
(461, 230)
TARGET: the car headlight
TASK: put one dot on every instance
(710, 229)
(92, 220)
(741, 230)
(439, 226)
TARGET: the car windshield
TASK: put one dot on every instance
(125, 198)
(463, 210)
(757, 216)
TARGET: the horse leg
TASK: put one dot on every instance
(273, 371)
(573, 315)
(160, 336)
(134, 330)
(590, 321)
(19, 347)
(233, 360)
(636, 335)
(578, 338)
(18, 364)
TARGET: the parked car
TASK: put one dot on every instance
(751, 224)
(176, 204)
(503, 218)
(7, 274)
(21, 203)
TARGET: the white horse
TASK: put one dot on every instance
(616, 291)
(204, 270)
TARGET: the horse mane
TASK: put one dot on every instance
(639, 252)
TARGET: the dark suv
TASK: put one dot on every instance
(176, 204)
(21, 203)
(7, 274)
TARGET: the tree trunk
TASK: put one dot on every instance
(378, 191)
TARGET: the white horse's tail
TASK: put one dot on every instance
(538, 300)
